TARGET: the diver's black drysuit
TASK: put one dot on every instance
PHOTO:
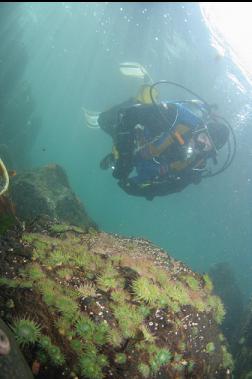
(120, 122)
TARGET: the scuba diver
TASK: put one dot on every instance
(161, 148)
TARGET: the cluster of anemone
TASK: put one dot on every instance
(191, 282)
(65, 273)
(48, 290)
(118, 295)
(100, 334)
(34, 272)
(58, 258)
(214, 304)
(86, 337)
(28, 332)
(66, 306)
(129, 319)
(107, 283)
(91, 364)
(177, 292)
(114, 337)
(145, 291)
(161, 358)
(53, 351)
(208, 284)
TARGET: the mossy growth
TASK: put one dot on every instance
(26, 331)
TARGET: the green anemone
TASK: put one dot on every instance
(26, 331)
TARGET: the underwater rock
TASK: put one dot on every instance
(12, 362)
(93, 305)
(243, 356)
(46, 192)
(226, 287)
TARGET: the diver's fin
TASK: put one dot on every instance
(136, 70)
(5, 175)
(91, 118)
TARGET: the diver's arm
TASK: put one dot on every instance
(124, 142)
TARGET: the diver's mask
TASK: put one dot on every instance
(203, 141)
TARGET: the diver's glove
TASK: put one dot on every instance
(123, 167)
(107, 162)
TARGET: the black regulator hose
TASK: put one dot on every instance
(179, 86)
(230, 155)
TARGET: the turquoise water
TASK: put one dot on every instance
(71, 60)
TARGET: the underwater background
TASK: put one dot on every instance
(59, 57)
